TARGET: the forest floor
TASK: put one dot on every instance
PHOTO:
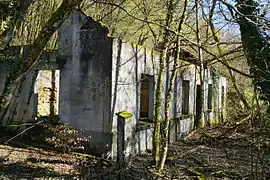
(214, 153)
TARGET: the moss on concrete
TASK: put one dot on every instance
(124, 114)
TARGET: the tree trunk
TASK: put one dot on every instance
(200, 117)
(224, 60)
(21, 8)
(165, 128)
(169, 95)
(158, 95)
(158, 116)
(256, 47)
(15, 81)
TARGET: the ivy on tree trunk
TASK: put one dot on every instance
(256, 47)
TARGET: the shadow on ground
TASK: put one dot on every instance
(24, 170)
(49, 161)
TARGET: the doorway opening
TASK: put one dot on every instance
(199, 106)
(47, 93)
(146, 97)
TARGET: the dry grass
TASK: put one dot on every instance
(209, 154)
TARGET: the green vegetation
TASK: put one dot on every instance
(167, 27)
(124, 114)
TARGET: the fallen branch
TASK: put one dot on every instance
(235, 126)
(83, 155)
(19, 125)
(23, 131)
(196, 173)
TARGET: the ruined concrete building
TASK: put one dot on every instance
(96, 76)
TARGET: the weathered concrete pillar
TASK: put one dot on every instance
(121, 143)
(85, 59)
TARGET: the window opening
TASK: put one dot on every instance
(210, 96)
(185, 97)
(146, 94)
(222, 96)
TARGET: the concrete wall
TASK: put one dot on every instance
(24, 102)
(222, 105)
(129, 62)
(208, 115)
(218, 112)
(85, 78)
(184, 124)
